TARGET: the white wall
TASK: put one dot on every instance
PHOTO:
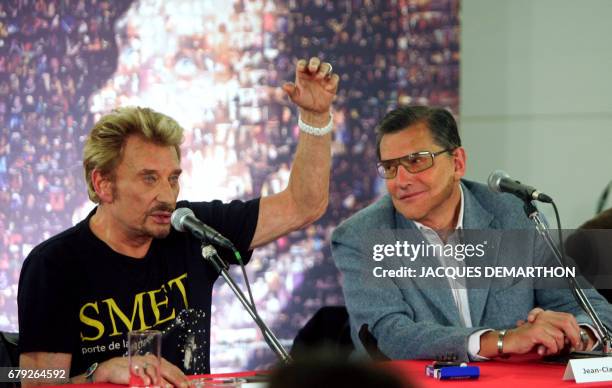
(536, 96)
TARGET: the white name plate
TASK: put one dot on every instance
(589, 370)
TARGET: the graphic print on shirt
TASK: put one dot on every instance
(106, 322)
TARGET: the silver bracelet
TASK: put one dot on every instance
(500, 344)
(316, 131)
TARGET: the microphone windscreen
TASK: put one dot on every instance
(495, 179)
(178, 216)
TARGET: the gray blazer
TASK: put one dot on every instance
(416, 318)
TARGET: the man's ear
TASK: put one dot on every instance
(103, 186)
(460, 159)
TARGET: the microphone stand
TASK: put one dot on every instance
(532, 212)
(210, 254)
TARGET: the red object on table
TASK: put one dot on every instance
(493, 374)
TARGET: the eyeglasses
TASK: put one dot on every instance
(413, 163)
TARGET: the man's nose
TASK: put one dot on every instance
(167, 192)
(403, 177)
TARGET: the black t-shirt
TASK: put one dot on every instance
(78, 296)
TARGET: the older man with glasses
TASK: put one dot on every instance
(411, 314)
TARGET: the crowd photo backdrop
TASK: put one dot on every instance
(216, 66)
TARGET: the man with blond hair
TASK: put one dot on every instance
(123, 268)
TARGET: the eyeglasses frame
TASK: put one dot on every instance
(432, 155)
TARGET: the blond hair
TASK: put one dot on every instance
(104, 145)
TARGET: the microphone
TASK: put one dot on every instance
(500, 182)
(183, 219)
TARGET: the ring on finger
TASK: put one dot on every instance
(329, 71)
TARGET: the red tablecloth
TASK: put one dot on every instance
(493, 374)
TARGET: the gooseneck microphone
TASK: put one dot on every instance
(184, 220)
(499, 181)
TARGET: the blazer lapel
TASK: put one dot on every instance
(477, 230)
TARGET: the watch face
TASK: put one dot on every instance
(90, 371)
(584, 337)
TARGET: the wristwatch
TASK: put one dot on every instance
(90, 372)
(584, 338)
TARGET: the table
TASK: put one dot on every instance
(493, 374)
(107, 385)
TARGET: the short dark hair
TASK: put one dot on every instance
(440, 122)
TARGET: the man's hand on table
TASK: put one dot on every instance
(116, 371)
(567, 324)
(544, 333)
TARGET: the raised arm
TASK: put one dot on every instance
(305, 198)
